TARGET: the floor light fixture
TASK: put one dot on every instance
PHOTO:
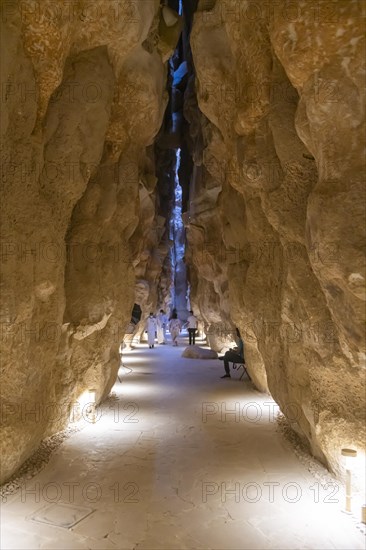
(349, 457)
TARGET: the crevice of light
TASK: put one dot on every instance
(176, 223)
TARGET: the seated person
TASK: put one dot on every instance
(235, 355)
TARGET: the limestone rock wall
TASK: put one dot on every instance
(205, 251)
(84, 94)
(282, 89)
(271, 111)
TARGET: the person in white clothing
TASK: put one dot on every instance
(150, 329)
(192, 324)
(161, 322)
(175, 327)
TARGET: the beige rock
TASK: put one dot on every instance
(276, 221)
(196, 352)
(284, 91)
(85, 96)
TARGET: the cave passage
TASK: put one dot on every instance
(177, 459)
(178, 155)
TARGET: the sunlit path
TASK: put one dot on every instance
(179, 459)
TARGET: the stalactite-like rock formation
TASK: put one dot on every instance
(282, 92)
(265, 102)
(84, 94)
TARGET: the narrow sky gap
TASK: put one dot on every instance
(218, 145)
(177, 228)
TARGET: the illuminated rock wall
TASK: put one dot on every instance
(279, 185)
(84, 94)
(271, 112)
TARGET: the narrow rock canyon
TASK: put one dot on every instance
(187, 154)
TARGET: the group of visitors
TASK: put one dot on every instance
(159, 325)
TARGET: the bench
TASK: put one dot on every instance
(237, 366)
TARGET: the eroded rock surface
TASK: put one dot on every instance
(269, 116)
(84, 97)
(279, 184)
(196, 352)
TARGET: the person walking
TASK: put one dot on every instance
(235, 355)
(175, 327)
(161, 322)
(192, 324)
(174, 312)
(150, 329)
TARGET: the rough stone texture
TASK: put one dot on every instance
(205, 251)
(282, 89)
(275, 223)
(83, 98)
(196, 352)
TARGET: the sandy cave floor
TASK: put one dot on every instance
(168, 466)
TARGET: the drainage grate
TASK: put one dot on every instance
(61, 515)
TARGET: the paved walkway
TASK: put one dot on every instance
(182, 460)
